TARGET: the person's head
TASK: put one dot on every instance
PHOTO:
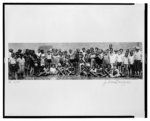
(42, 51)
(105, 53)
(111, 50)
(48, 52)
(53, 65)
(26, 51)
(91, 49)
(116, 51)
(21, 55)
(114, 67)
(126, 54)
(88, 51)
(83, 49)
(100, 51)
(53, 50)
(96, 49)
(70, 50)
(80, 52)
(50, 49)
(109, 66)
(19, 50)
(127, 50)
(39, 50)
(13, 55)
(131, 53)
(121, 51)
(82, 67)
(107, 50)
(137, 49)
(11, 50)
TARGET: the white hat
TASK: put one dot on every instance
(137, 47)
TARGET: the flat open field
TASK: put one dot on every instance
(56, 77)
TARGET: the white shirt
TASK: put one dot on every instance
(43, 55)
(53, 70)
(84, 53)
(126, 60)
(9, 55)
(92, 55)
(131, 59)
(56, 59)
(101, 56)
(71, 55)
(88, 64)
(49, 56)
(112, 58)
(42, 62)
(93, 70)
(12, 60)
(120, 57)
(138, 55)
(38, 54)
(21, 61)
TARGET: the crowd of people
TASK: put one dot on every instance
(91, 62)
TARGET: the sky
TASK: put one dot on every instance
(67, 46)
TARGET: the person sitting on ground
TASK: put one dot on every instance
(71, 70)
(60, 69)
(44, 72)
(53, 70)
(83, 71)
(100, 72)
(93, 71)
(114, 72)
(107, 71)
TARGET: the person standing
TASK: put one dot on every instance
(131, 64)
(126, 64)
(49, 59)
(112, 58)
(137, 60)
(42, 60)
(21, 64)
(13, 66)
(120, 57)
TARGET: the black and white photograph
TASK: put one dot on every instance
(74, 60)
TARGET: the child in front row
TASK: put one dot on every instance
(114, 72)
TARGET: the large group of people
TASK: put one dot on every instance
(86, 62)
